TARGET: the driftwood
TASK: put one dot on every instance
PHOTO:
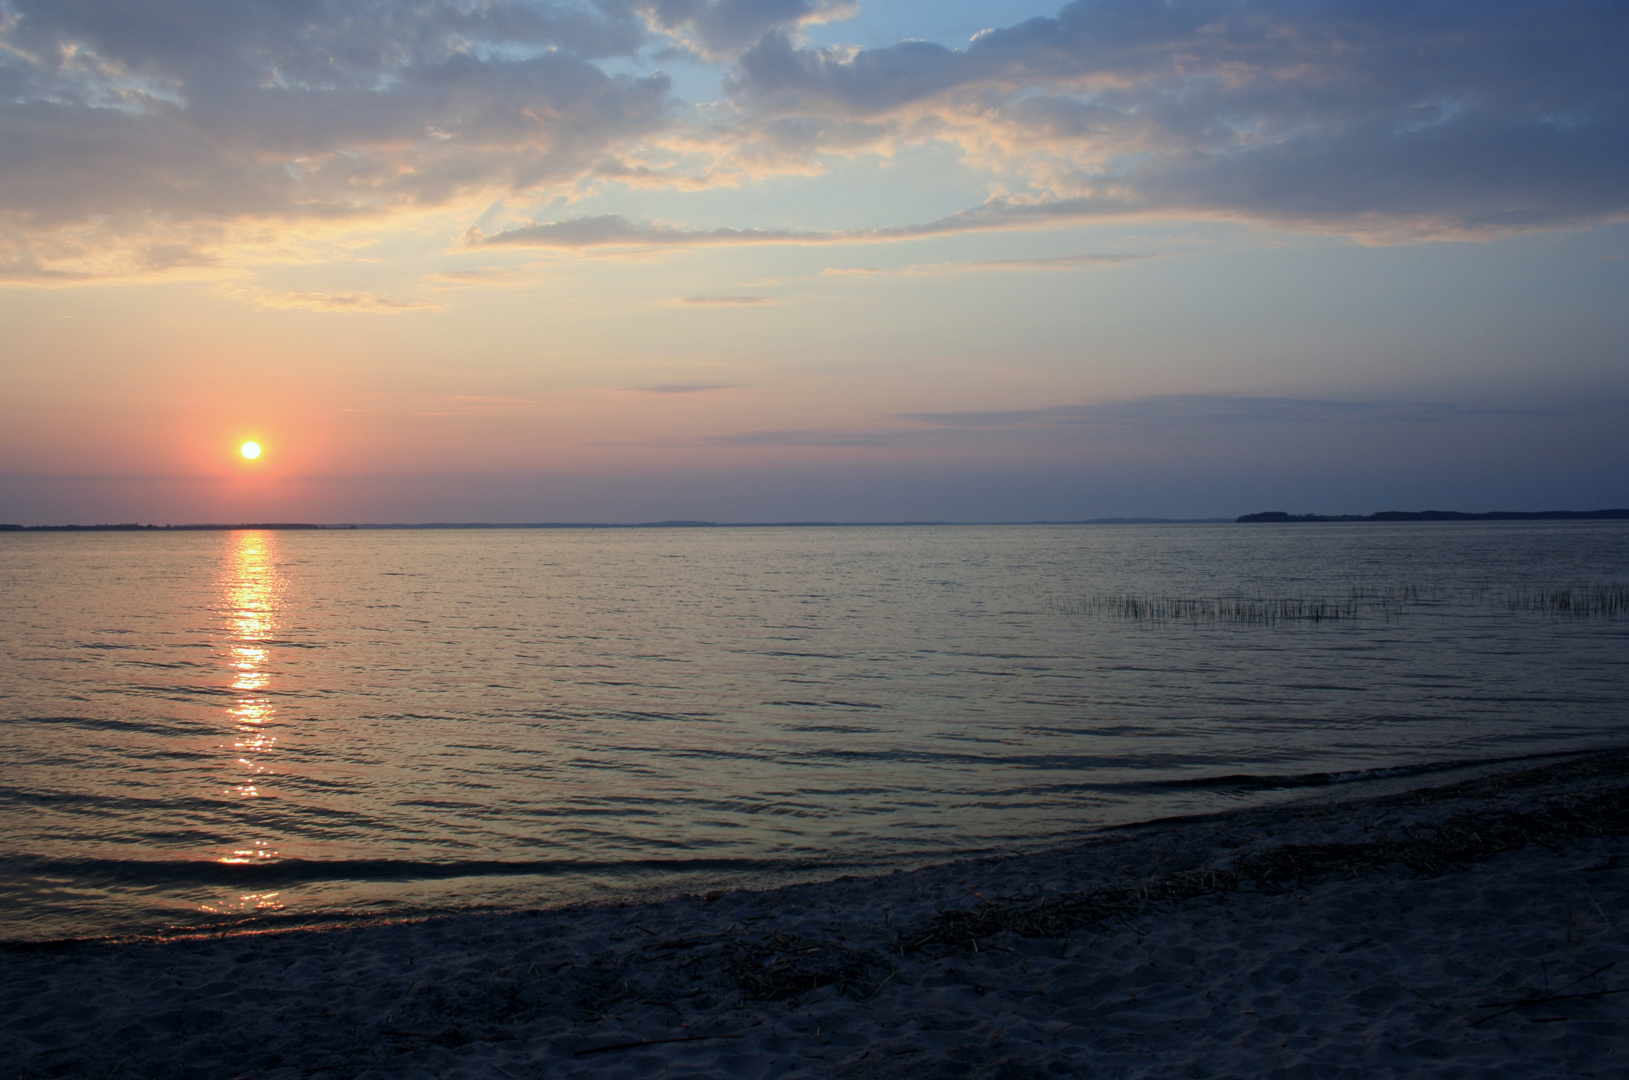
(1551, 995)
(657, 1042)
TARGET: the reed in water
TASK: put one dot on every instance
(1591, 600)
(1240, 610)
(1608, 600)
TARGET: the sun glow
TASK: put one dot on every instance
(250, 450)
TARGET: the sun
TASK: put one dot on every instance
(250, 450)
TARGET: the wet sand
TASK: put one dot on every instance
(1479, 929)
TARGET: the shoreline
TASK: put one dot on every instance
(1363, 785)
(1343, 936)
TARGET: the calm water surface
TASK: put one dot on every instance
(212, 727)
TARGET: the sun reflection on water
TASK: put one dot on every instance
(250, 589)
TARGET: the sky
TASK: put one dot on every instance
(772, 260)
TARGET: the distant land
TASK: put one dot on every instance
(1138, 521)
(1277, 516)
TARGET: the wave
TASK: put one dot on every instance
(109, 723)
(1268, 782)
(143, 872)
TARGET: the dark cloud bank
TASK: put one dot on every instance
(1476, 114)
(156, 126)
(1384, 119)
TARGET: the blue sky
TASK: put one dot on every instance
(797, 259)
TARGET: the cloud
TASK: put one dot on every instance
(1377, 119)
(1164, 415)
(1211, 410)
(725, 301)
(616, 231)
(162, 138)
(791, 438)
(154, 117)
(676, 388)
(487, 277)
(1047, 262)
(108, 252)
(724, 27)
(833, 439)
(356, 303)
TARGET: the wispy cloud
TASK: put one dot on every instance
(676, 388)
(1213, 409)
(1162, 414)
(616, 231)
(485, 404)
(353, 303)
(725, 301)
(721, 28)
(1049, 262)
(831, 439)
(834, 439)
(486, 277)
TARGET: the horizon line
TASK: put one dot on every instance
(1267, 517)
(668, 524)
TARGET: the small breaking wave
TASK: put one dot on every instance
(1268, 782)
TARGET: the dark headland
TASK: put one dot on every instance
(1277, 517)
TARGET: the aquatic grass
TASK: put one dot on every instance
(1608, 600)
(1237, 609)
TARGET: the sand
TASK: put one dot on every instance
(1474, 930)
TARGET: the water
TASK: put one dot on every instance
(205, 728)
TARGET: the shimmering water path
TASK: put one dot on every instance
(208, 727)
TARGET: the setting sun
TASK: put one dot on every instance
(250, 450)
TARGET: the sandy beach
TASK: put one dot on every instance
(1476, 929)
